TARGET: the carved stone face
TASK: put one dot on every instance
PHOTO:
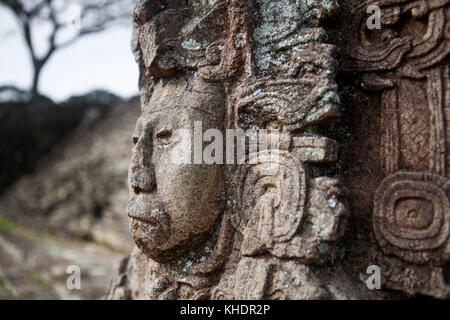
(172, 205)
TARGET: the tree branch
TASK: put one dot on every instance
(96, 15)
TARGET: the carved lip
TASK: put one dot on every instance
(151, 221)
(140, 208)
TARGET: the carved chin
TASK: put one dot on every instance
(153, 241)
(149, 237)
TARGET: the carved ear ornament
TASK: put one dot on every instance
(278, 199)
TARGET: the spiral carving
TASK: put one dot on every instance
(412, 216)
(281, 176)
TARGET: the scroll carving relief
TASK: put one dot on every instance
(202, 230)
(407, 60)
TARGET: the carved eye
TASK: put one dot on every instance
(135, 139)
(163, 136)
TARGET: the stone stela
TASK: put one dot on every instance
(239, 231)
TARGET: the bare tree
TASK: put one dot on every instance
(94, 16)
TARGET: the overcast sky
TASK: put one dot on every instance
(98, 61)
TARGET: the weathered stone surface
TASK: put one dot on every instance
(232, 231)
(406, 64)
(276, 229)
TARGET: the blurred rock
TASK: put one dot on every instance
(34, 265)
(80, 187)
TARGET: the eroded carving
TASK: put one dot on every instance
(407, 60)
(202, 230)
(411, 217)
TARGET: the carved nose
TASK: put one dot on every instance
(142, 180)
(142, 171)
